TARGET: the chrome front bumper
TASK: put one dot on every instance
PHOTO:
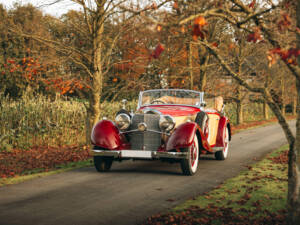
(139, 154)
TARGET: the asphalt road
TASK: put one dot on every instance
(132, 191)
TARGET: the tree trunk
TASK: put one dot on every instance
(282, 96)
(93, 110)
(265, 110)
(294, 160)
(190, 64)
(239, 113)
(294, 171)
(203, 65)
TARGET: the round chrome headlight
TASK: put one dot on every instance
(122, 121)
(166, 123)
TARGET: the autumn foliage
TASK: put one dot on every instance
(289, 55)
(66, 86)
(44, 158)
(158, 50)
(198, 28)
(197, 215)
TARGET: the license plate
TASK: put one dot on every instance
(136, 154)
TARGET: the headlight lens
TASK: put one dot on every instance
(166, 123)
(122, 121)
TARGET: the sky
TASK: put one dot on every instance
(55, 10)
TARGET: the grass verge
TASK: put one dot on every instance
(42, 173)
(256, 196)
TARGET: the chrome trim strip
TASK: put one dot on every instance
(140, 154)
(137, 130)
(216, 149)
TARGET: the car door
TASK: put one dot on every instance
(213, 124)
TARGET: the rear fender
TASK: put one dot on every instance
(223, 123)
(106, 135)
(183, 137)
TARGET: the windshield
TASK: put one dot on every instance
(171, 97)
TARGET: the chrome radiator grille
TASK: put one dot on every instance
(147, 140)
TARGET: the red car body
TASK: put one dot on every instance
(212, 133)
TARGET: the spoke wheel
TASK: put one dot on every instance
(189, 166)
(222, 155)
(102, 164)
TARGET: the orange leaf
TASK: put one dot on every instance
(159, 28)
(182, 29)
(175, 5)
(215, 44)
(231, 46)
(200, 21)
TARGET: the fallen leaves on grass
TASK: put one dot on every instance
(225, 215)
(283, 158)
(19, 162)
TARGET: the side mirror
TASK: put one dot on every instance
(124, 102)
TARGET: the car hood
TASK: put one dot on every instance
(173, 110)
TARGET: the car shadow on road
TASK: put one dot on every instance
(145, 167)
(206, 157)
(140, 167)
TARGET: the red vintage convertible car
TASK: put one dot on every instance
(169, 124)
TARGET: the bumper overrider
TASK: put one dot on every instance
(139, 154)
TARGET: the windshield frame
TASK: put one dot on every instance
(201, 97)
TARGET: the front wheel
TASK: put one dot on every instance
(102, 164)
(222, 155)
(189, 166)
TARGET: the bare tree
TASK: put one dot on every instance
(254, 19)
(99, 18)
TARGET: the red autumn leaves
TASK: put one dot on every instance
(254, 36)
(157, 51)
(19, 162)
(289, 55)
(31, 70)
(198, 28)
(285, 22)
(28, 67)
(66, 86)
(198, 31)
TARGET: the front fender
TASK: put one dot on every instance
(106, 135)
(223, 123)
(183, 137)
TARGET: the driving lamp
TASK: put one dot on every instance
(122, 121)
(166, 123)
